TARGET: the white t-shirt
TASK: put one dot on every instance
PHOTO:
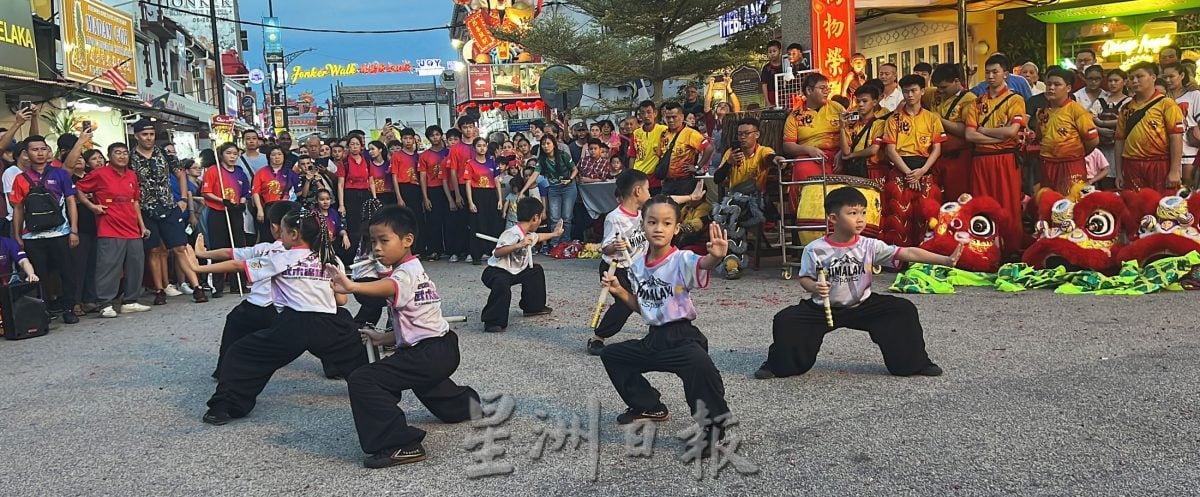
(255, 163)
(662, 287)
(1189, 103)
(520, 259)
(262, 292)
(893, 100)
(416, 307)
(629, 226)
(1092, 106)
(10, 175)
(846, 267)
(298, 278)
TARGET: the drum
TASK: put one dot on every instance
(811, 211)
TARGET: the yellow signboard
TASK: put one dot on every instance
(96, 38)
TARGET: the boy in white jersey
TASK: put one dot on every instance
(512, 264)
(257, 312)
(661, 282)
(309, 320)
(426, 349)
(623, 234)
(847, 257)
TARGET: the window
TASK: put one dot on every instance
(906, 66)
(933, 55)
(950, 52)
(892, 58)
(878, 62)
(920, 55)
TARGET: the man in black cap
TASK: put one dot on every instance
(162, 215)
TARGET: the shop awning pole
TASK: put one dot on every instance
(962, 38)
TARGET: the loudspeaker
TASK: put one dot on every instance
(23, 311)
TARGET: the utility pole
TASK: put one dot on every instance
(212, 13)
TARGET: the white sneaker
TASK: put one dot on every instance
(454, 258)
(171, 291)
(108, 312)
(470, 259)
(134, 307)
(186, 289)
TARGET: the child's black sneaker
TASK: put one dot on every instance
(543, 312)
(931, 370)
(492, 328)
(595, 346)
(764, 373)
(396, 457)
(216, 418)
(657, 415)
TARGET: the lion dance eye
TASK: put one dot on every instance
(982, 227)
(1100, 224)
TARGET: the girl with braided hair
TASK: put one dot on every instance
(309, 320)
(370, 308)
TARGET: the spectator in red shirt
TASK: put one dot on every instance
(225, 190)
(271, 184)
(461, 154)
(435, 194)
(120, 229)
(406, 180)
(353, 188)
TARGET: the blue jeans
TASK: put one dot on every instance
(560, 203)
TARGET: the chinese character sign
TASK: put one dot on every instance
(833, 39)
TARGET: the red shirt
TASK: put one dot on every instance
(116, 192)
(405, 167)
(460, 155)
(272, 186)
(432, 163)
(212, 184)
(481, 174)
(379, 177)
(355, 173)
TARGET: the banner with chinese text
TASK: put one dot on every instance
(833, 40)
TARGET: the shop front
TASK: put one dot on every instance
(504, 96)
(1121, 33)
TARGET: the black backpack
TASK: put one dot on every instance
(42, 211)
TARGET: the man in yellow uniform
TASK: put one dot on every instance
(687, 148)
(1149, 136)
(860, 137)
(953, 168)
(646, 139)
(912, 143)
(1067, 133)
(811, 130)
(993, 125)
(743, 171)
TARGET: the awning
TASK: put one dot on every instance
(41, 89)
(1088, 10)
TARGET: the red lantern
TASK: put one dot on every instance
(495, 105)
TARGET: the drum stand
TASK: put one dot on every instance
(789, 241)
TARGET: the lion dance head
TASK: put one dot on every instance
(1077, 234)
(1166, 225)
(970, 220)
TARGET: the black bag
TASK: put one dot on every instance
(22, 311)
(663, 168)
(42, 212)
(1136, 117)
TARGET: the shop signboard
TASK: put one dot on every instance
(97, 38)
(504, 81)
(18, 55)
(743, 18)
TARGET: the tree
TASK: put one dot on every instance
(627, 40)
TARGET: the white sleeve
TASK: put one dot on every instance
(808, 263)
(884, 254)
(509, 237)
(266, 266)
(610, 231)
(405, 289)
(694, 276)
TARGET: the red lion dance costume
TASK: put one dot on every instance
(902, 215)
(1079, 234)
(1167, 226)
(970, 220)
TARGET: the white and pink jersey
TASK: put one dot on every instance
(262, 294)
(416, 306)
(518, 260)
(298, 278)
(847, 267)
(662, 286)
(629, 226)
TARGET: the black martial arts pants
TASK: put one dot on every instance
(893, 323)
(243, 320)
(424, 368)
(618, 313)
(676, 347)
(500, 281)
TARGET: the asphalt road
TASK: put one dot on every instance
(1043, 395)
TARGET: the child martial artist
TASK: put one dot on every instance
(257, 312)
(512, 264)
(662, 281)
(309, 320)
(623, 235)
(848, 257)
(426, 349)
